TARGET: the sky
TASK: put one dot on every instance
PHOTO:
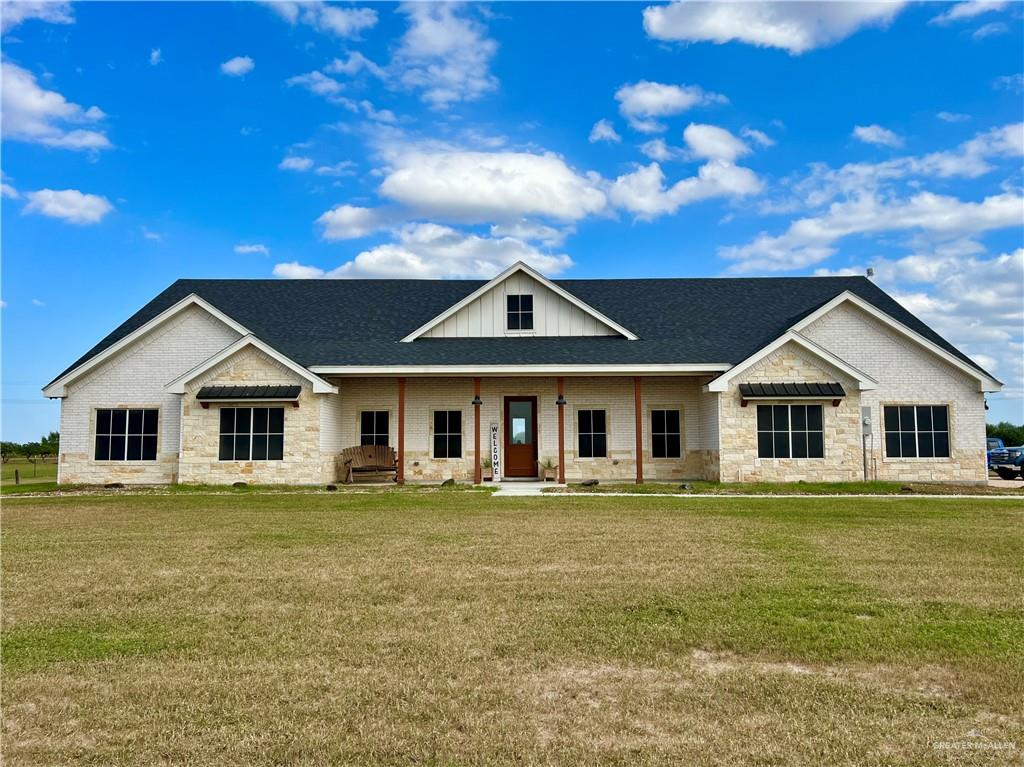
(146, 142)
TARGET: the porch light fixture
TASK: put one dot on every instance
(561, 400)
(477, 401)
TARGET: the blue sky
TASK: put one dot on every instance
(143, 142)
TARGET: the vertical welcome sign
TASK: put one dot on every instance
(495, 453)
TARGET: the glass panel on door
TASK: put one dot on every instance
(521, 415)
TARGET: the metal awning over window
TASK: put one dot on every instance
(832, 391)
(244, 393)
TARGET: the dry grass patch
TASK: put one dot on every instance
(460, 629)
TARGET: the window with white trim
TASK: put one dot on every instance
(373, 427)
(591, 432)
(126, 434)
(916, 431)
(447, 434)
(251, 434)
(520, 311)
(790, 431)
(666, 440)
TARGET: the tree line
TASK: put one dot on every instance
(1011, 435)
(46, 447)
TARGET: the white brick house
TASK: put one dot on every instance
(779, 379)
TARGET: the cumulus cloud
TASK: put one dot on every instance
(434, 251)
(6, 190)
(713, 143)
(354, 64)
(657, 149)
(953, 117)
(758, 137)
(486, 187)
(243, 249)
(318, 83)
(39, 116)
(641, 103)
(343, 168)
(876, 134)
(295, 162)
(14, 13)
(644, 193)
(968, 10)
(445, 54)
(531, 231)
(1009, 82)
(791, 26)
(603, 130)
(350, 222)
(238, 66)
(330, 19)
(156, 56)
(68, 204)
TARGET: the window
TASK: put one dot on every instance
(126, 435)
(251, 434)
(520, 312)
(665, 440)
(373, 427)
(591, 433)
(790, 431)
(916, 431)
(447, 434)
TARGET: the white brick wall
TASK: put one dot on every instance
(136, 377)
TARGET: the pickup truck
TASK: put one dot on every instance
(1008, 462)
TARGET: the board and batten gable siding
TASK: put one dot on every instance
(484, 317)
(909, 374)
(135, 377)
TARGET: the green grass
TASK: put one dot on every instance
(41, 472)
(786, 488)
(451, 628)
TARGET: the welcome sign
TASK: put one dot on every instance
(495, 453)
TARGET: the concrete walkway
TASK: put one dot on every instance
(508, 488)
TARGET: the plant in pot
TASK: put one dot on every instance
(486, 469)
(550, 470)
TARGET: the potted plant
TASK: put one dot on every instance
(549, 469)
(486, 469)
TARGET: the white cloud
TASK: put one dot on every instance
(953, 117)
(659, 151)
(155, 57)
(37, 302)
(38, 116)
(14, 13)
(1009, 82)
(876, 134)
(258, 247)
(329, 19)
(353, 65)
(295, 162)
(6, 190)
(812, 239)
(238, 66)
(758, 137)
(968, 10)
(491, 186)
(796, 27)
(377, 115)
(990, 30)
(713, 143)
(641, 103)
(318, 83)
(151, 235)
(445, 54)
(603, 130)
(434, 251)
(343, 168)
(643, 192)
(531, 231)
(350, 222)
(69, 204)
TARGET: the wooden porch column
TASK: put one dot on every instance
(561, 430)
(400, 474)
(478, 475)
(637, 396)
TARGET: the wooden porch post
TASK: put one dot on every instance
(639, 430)
(561, 430)
(400, 474)
(478, 475)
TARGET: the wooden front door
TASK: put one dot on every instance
(520, 437)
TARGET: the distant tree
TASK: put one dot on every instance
(1010, 435)
(9, 450)
(50, 444)
(33, 452)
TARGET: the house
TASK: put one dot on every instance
(754, 379)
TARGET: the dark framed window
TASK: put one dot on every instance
(520, 312)
(126, 434)
(591, 431)
(447, 434)
(251, 434)
(666, 441)
(373, 427)
(790, 431)
(916, 431)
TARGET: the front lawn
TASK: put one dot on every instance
(456, 628)
(699, 487)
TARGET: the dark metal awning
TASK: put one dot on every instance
(231, 393)
(791, 391)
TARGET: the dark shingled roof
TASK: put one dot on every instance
(792, 390)
(361, 322)
(248, 392)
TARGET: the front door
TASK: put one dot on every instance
(520, 437)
